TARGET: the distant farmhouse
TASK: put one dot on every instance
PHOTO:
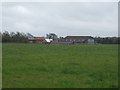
(39, 40)
(78, 39)
(32, 39)
(53, 39)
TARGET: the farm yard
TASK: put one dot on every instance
(59, 66)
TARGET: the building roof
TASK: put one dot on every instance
(31, 38)
(76, 37)
(39, 38)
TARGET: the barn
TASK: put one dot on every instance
(78, 39)
(36, 39)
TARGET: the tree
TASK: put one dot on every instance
(14, 37)
(52, 36)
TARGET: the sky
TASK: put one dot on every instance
(61, 18)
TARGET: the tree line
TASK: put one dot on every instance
(19, 37)
(107, 40)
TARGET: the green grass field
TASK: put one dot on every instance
(60, 66)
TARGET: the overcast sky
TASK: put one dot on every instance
(88, 18)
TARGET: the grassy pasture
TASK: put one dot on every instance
(59, 66)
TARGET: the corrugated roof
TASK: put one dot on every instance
(78, 37)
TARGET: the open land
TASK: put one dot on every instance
(59, 66)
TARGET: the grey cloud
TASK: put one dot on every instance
(95, 19)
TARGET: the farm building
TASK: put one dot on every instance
(36, 39)
(45, 40)
(66, 43)
(53, 39)
(78, 39)
(39, 39)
